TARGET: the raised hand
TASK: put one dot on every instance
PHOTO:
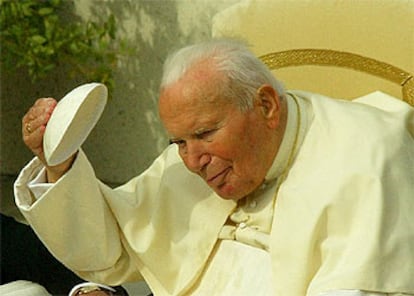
(33, 129)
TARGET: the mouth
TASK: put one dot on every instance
(219, 178)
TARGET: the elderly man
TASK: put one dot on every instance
(263, 192)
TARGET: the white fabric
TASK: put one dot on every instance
(23, 288)
(251, 265)
(72, 120)
(169, 236)
(38, 185)
(358, 293)
(249, 272)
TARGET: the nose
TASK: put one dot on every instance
(195, 156)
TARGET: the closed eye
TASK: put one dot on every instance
(178, 142)
(205, 135)
(202, 135)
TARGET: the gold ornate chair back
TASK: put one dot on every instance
(325, 57)
(311, 45)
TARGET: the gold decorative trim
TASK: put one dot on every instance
(408, 90)
(326, 57)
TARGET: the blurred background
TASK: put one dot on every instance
(47, 48)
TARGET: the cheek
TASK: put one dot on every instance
(242, 151)
(250, 152)
(239, 145)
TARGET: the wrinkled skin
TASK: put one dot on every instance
(33, 128)
(230, 149)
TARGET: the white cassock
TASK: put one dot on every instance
(334, 216)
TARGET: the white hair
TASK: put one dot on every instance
(245, 72)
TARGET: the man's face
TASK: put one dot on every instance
(229, 148)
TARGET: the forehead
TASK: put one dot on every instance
(183, 114)
(194, 99)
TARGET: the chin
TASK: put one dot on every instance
(228, 194)
(235, 198)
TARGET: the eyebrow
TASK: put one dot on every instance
(176, 140)
(196, 133)
(202, 130)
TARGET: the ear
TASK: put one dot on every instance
(268, 101)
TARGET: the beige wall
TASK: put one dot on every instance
(128, 136)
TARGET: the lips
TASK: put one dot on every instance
(219, 178)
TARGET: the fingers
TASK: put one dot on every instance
(38, 115)
(34, 124)
(34, 139)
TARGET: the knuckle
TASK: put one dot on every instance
(39, 101)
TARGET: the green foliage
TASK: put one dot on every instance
(41, 36)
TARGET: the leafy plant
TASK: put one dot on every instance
(40, 36)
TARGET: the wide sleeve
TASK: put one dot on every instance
(161, 225)
(359, 293)
(74, 221)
